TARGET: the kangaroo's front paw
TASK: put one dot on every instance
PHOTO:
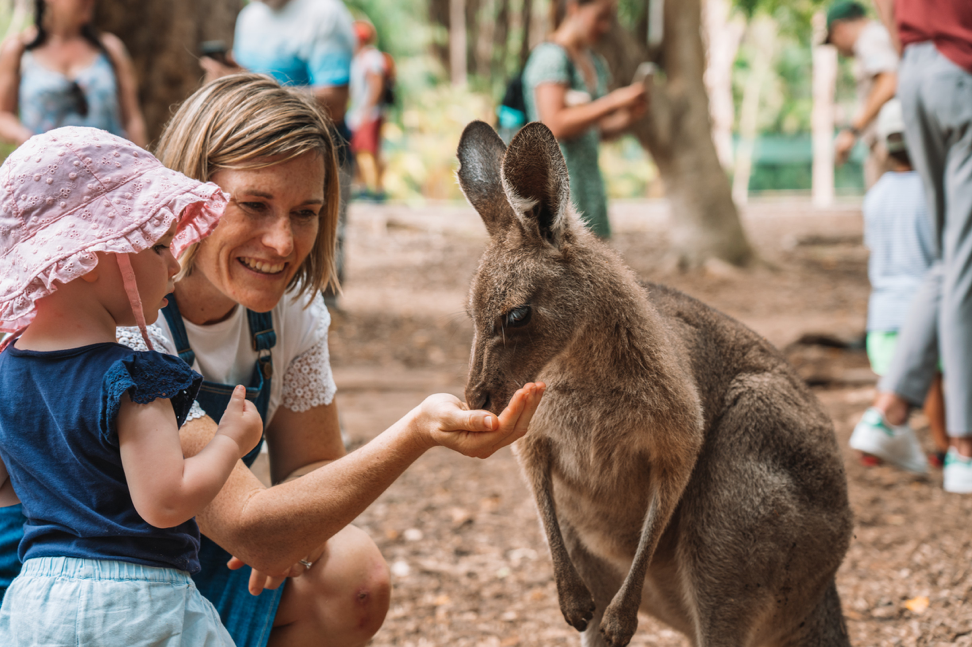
(618, 625)
(577, 605)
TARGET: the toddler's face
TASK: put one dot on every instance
(155, 269)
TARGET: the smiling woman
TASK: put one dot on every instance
(247, 308)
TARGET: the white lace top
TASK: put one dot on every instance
(224, 353)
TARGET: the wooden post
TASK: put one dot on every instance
(762, 34)
(822, 117)
(722, 36)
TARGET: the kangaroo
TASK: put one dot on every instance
(680, 466)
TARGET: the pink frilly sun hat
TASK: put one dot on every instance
(71, 192)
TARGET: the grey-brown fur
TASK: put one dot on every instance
(679, 465)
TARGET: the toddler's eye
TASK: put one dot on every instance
(158, 248)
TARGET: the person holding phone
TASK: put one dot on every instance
(565, 87)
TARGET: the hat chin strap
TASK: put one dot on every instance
(131, 288)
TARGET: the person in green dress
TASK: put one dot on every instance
(565, 87)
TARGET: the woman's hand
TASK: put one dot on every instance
(630, 97)
(633, 100)
(218, 69)
(260, 580)
(448, 423)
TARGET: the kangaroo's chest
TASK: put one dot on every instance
(601, 482)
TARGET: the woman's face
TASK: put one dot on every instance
(269, 228)
(593, 19)
(75, 11)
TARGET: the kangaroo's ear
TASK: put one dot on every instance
(480, 159)
(536, 182)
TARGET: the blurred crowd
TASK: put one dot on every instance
(914, 74)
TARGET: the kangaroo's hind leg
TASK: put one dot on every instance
(824, 626)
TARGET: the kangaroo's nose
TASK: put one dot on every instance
(477, 398)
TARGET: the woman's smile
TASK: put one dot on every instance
(262, 267)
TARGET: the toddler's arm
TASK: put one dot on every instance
(168, 489)
(7, 495)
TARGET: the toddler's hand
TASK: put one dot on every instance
(241, 421)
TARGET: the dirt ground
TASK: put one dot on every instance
(469, 560)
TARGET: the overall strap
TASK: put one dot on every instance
(261, 328)
(178, 330)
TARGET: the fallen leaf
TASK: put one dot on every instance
(917, 605)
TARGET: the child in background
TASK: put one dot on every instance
(90, 226)
(369, 85)
(898, 233)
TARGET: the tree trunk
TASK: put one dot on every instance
(457, 42)
(723, 35)
(439, 16)
(677, 132)
(762, 36)
(501, 37)
(526, 24)
(163, 39)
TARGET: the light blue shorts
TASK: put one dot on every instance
(75, 602)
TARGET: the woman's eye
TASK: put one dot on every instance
(518, 317)
(158, 248)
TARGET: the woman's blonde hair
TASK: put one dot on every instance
(248, 121)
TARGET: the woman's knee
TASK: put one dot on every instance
(341, 600)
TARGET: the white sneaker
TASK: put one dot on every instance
(957, 472)
(894, 444)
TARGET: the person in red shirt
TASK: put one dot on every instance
(935, 89)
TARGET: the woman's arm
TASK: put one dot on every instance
(300, 442)
(166, 488)
(567, 122)
(131, 113)
(271, 529)
(11, 130)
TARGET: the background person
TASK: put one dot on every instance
(62, 72)
(307, 44)
(369, 77)
(855, 35)
(565, 86)
(935, 89)
(898, 234)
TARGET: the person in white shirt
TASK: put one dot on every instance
(866, 41)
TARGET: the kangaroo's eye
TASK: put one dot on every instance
(518, 317)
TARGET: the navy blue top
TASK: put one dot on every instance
(60, 445)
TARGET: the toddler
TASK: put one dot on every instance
(90, 226)
(898, 233)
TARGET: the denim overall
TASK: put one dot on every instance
(248, 618)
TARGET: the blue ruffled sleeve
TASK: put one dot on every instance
(146, 377)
